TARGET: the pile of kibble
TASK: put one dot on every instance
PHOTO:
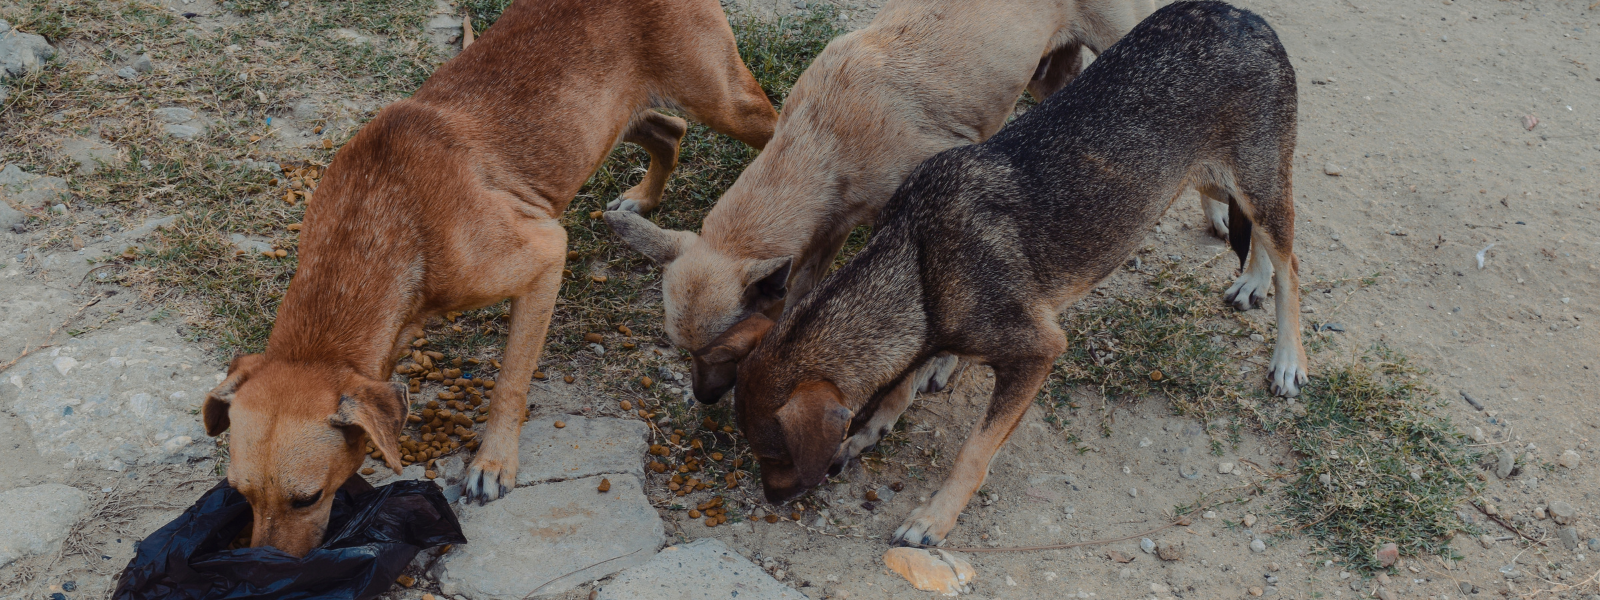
(444, 424)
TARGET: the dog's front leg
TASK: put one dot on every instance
(659, 135)
(494, 469)
(1017, 381)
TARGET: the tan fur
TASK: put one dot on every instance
(451, 200)
(924, 76)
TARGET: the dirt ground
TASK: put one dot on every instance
(1417, 171)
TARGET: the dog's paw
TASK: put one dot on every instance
(1288, 372)
(1248, 292)
(1217, 215)
(490, 477)
(936, 374)
(623, 203)
(923, 528)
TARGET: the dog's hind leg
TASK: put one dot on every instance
(1250, 289)
(1269, 199)
(493, 472)
(1016, 382)
(659, 135)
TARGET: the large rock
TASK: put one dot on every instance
(548, 538)
(21, 53)
(700, 570)
(583, 448)
(37, 519)
(115, 398)
(29, 190)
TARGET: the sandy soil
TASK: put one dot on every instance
(1419, 107)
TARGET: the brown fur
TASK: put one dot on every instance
(451, 200)
(924, 76)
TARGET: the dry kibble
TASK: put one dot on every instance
(1155, 376)
(708, 423)
(539, 375)
(872, 495)
(413, 419)
(569, 378)
(405, 580)
(738, 462)
(432, 354)
(626, 405)
(572, 255)
(599, 278)
(711, 521)
(280, 253)
(294, 227)
(795, 516)
(367, 471)
(605, 485)
(694, 514)
(489, 385)
(596, 214)
(623, 329)
(593, 338)
(646, 382)
(772, 518)
(675, 438)
(560, 424)
(629, 345)
(658, 449)
(716, 456)
(430, 474)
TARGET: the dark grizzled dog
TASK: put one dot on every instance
(983, 246)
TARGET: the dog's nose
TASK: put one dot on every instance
(710, 394)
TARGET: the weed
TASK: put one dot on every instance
(1379, 465)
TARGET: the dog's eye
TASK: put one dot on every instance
(307, 501)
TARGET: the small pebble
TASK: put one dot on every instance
(1258, 546)
(1569, 459)
(1249, 520)
(1134, 492)
(1538, 513)
(1486, 540)
(1388, 554)
(1332, 169)
(1147, 545)
(1210, 514)
(1225, 468)
(1508, 461)
(1562, 513)
(1256, 591)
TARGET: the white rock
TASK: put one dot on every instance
(702, 569)
(173, 114)
(37, 519)
(1249, 520)
(182, 132)
(583, 448)
(1258, 546)
(549, 538)
(22, 53)
(1225, 468)
(1332, 169)
(1569, 459)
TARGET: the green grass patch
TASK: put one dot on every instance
(1379, 465)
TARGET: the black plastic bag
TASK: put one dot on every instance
(374, 534)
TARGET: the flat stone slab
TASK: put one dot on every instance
(704, 569)
(115, 398)
(583, 448)
(37, 519)
(549, 538)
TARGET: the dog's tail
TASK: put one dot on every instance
(1239, 227)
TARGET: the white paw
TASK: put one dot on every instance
(936, 374)
(1248, 292)
(1288, 373)
(621, 203)
(488, 479)
(920, 529)
(1219, 222)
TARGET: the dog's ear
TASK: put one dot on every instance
(214, 413)
(814, 422)
(377, 408)
(716, 366)
(660, 245)
(767, 282)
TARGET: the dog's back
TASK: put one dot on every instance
(1198, 94)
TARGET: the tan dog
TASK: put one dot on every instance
(924, 76)
(451, 200)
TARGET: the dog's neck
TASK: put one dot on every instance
(864, 326)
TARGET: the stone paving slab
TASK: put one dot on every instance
(114, 398)
(549, 538)
(37, 519)
(705, 569)
(582, 448)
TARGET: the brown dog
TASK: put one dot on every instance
(451, 200)
(924, 76)
(984, 246)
